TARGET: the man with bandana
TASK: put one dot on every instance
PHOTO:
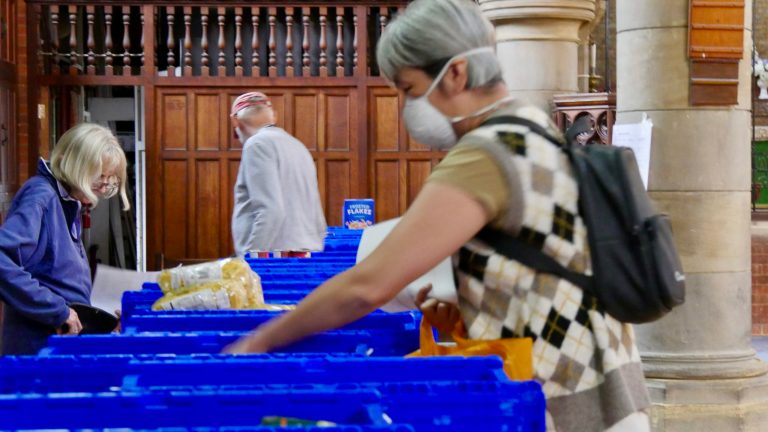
(277, 203)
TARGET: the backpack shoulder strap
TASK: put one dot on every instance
(520, 251)
(531, 125)
(517, 249)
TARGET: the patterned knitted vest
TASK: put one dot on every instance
(586, 361)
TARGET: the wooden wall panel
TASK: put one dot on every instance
(208, 208)
(200, 175)
(715, 48)
(338, 126)
(208, 110)
(414, 145)
(337, 188)
(400, 165)
(305, 120)
(232, 142)
(279, 105)
(387, 122)
(416, 175)
(229, 203)
(174, 127)
(174, 208)
(716, 29)
(8, 148)
(387, 190)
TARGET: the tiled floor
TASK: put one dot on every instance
(761, 345)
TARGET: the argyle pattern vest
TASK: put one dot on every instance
(581, 354)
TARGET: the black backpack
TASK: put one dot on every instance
(637, 276)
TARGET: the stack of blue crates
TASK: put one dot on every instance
(164, 371)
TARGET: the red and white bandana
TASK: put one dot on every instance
(248, 100)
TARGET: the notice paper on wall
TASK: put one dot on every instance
(636, 136)
(441, 277)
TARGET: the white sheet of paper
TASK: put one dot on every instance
(110, 283)
(636, 136)
(441, 277)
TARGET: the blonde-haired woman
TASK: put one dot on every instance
(43, 264)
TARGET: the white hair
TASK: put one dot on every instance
(253, 109)
(430, 32)
(81, 154)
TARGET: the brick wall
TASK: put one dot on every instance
(22, 100)
(760, 242)
(760, 284)
(760, 32)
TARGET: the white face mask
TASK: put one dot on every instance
(426, 124)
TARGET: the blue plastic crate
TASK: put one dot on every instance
(302, 284)
(460, 405)
(345, 428)
(467, 406)
(287, 275)
(334, 259)
(178, 408)
(296, 285)
(440, 394)
(115, 372)
(301, 272)
(141, 301)
(245, 320)
(377, 343)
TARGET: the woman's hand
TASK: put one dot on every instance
(72, 325)
(245, 345)
(443, 316)
(118, 327)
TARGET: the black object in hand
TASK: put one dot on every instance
(93, 319)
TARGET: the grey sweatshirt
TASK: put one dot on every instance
(277, 203)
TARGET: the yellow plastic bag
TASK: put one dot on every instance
(516, 353)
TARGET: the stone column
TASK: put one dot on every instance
(701, 369)
(538, 44)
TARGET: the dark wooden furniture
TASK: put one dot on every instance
(599, 107)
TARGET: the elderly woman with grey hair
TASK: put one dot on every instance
(440, 56)
(43, 265)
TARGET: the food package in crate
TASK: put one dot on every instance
(223, 284)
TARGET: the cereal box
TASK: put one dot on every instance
(358, 213)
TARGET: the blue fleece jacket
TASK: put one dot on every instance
(43, 265)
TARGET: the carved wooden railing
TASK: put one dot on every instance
(599, 107)
(260, 39)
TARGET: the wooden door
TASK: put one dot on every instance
(7, 148)
(194, 160)
(8, 155)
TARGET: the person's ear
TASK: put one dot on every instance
(456, 77)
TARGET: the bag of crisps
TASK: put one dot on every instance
(223, 284)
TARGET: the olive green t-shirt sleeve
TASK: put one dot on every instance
(474, 171)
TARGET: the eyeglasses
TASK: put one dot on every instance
(106, 186)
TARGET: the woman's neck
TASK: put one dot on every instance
(493, 99)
